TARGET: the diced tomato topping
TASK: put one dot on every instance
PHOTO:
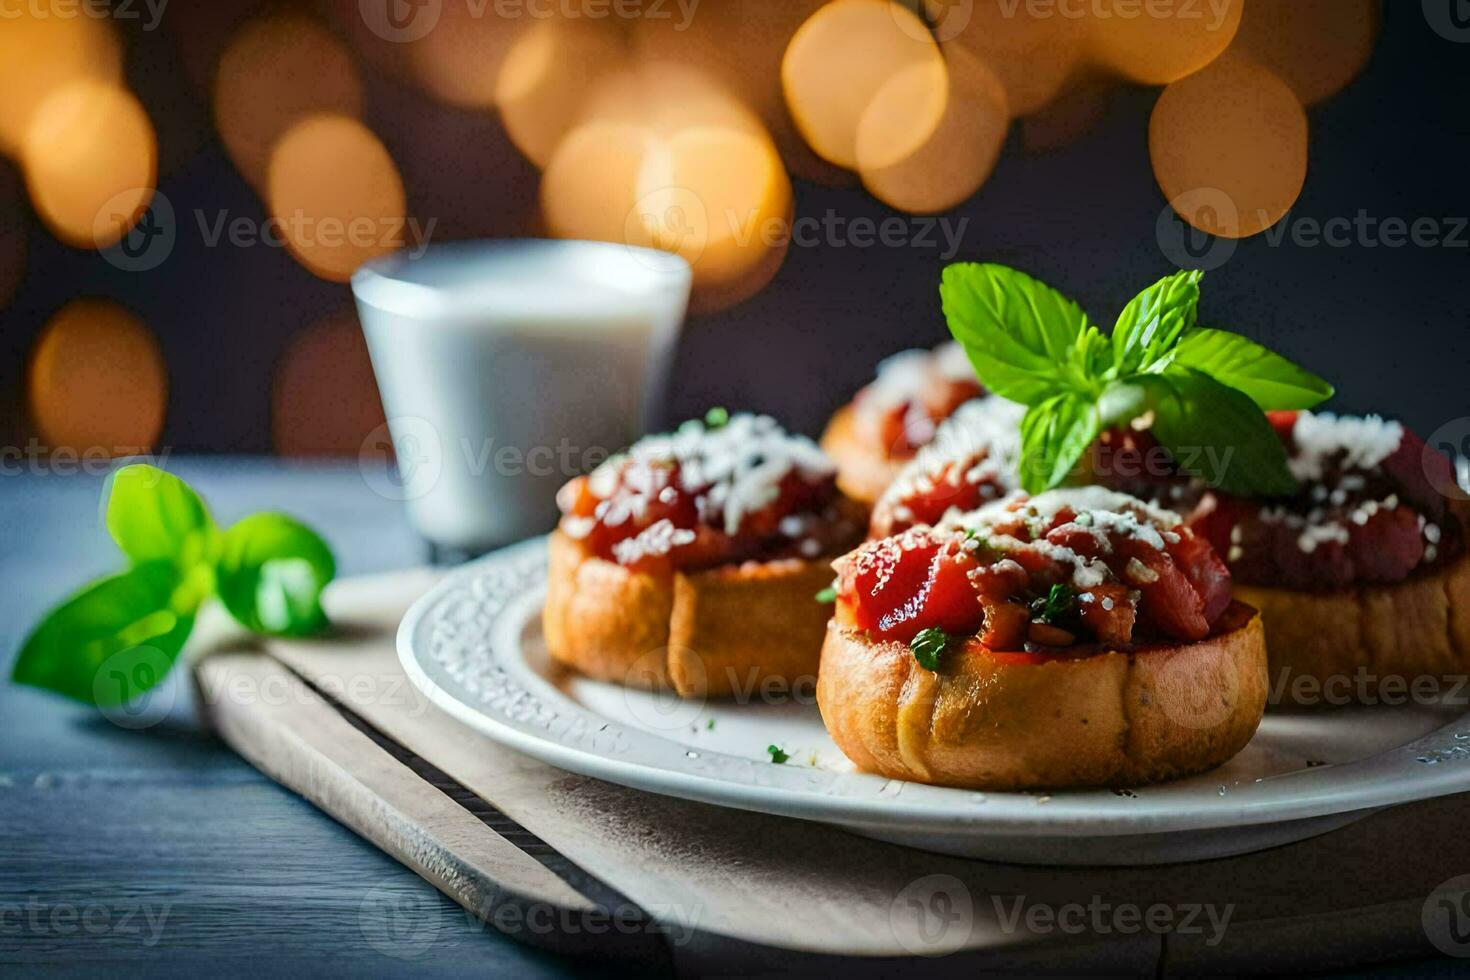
(1284, 422)
(1108, 612)
(1015, 583)
(645, 494)
(911, 582)
(1170, 603)
(1205, 571)
(907, 427)
(1005, 623)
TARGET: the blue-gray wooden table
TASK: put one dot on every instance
(159, 850)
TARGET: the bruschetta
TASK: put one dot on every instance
(1363, 575)
(693, 561)
(1076, 638)
(972, 460)
(896, 415)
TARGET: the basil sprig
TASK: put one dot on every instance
(1205, 389)
(268, 570)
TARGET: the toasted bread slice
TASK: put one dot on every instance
(731, 630)
(864, 470)
(1355, 639)
(986, 722)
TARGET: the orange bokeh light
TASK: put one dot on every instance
(39, 55)
(591, 182)
(336, 194)
(743, 53)
(959, 155)
(276, 71)
(840, 59)
(324, 400)
(458, 59)
(97, 380)
(91, 160)
(1032, 54)
(1316, 46)
(1164, 40)
(718, 197)
(538, 98)
(1233, 137)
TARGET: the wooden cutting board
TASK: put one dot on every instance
(583, 867)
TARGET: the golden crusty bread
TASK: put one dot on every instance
(718, 632)
(980, 722)
(1419, 627)
(864, 470)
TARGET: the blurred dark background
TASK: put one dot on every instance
(263, 356)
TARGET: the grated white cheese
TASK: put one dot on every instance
(952, 363)
(1316, 534)
(737, 468)
(1108, 511)
(659, 538)
(988, 427)
(907, 375)
(1356, 442)
(1111, 509)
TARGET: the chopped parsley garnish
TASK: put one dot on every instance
(709, 725)
(928, 645)
(1057, 608)
(778, 756)
(716, 418)
(827, 596)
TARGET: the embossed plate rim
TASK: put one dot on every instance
(567, 735)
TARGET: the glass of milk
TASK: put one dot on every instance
(506, 369)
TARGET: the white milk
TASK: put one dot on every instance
(508, 367)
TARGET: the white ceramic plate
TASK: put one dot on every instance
(474, 646)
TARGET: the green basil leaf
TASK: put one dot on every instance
(1154, 320)
(128, 625)
(1217, 434)
(1054, 435)
(928, 646)
(155, 516)
(1271, 381)
(271, 573)
(1021, 335)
